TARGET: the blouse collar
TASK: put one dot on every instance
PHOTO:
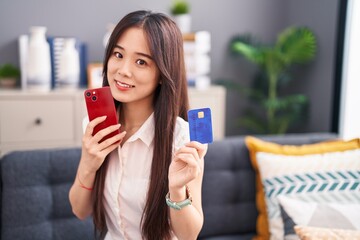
(145, 132)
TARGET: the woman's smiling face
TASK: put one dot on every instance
(132, 73)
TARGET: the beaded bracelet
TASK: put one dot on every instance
(182, 204)
(83, 186)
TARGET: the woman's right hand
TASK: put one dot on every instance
(93, 153)
(92, 157)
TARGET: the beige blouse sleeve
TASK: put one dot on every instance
(182, 135)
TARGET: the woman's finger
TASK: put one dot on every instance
(189, 150)
(104, 132)
(201, 148)
(92, 124)
(187, 158)
(113, 140)
(108, 150)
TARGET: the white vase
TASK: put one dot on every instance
(38, 65)
(69, 66)
(183, 21)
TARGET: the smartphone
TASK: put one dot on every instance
(200, 125)
(100, 102)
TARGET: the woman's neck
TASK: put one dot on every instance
(133, 117)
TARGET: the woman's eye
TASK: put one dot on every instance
(141, 62)
(118, 55)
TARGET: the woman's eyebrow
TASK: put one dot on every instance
(138, 53)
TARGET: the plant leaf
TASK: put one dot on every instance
(285, 103)
(250, 52)
(297, 45)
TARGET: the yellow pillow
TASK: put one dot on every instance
(256, 145)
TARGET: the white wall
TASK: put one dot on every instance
(316, 78)
(349, 124)
(263, 19)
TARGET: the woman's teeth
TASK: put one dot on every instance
(124, 85)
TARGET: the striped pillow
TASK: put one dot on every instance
(256, 145)
(315, 179)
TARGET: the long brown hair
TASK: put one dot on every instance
(171, 100)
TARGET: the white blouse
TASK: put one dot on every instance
(127, 179)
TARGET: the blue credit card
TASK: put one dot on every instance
(200, 125)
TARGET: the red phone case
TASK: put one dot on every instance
(99, 102)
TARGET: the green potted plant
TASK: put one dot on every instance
(275, 111)
(9, 75)
(180, 10)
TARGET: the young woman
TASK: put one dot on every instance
(144, 183)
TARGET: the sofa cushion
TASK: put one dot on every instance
(344, 207)
(229, 185)
(312, 188)
(228, 191)
(257, 146)
(35, 203)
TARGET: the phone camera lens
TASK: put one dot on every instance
(94, 98)
(88, 94)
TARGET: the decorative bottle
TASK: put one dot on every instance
(69, 66)
(38, 65)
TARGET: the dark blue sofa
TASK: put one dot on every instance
(35, 185)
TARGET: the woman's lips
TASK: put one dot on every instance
(123, 86)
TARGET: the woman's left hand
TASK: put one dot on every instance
(187, 164)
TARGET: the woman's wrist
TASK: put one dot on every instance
(85, 169)
(85, 178)
(84, 186)
(179, 204)
(177, 193)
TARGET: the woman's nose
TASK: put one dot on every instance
(124, 69)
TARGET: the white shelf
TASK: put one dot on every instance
(37, 120)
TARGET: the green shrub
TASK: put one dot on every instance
(180, 7)
(273, 112)
(9, 71)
